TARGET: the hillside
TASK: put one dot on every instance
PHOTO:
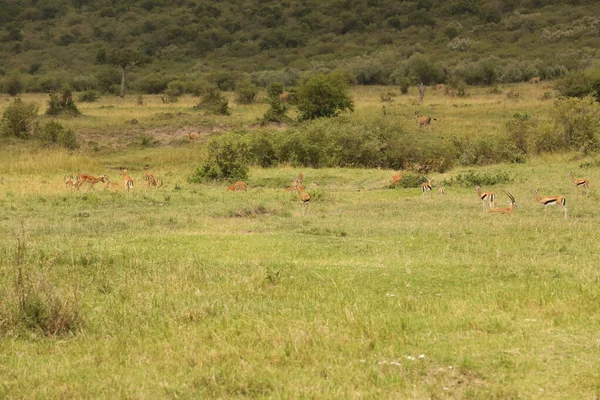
(375, 41)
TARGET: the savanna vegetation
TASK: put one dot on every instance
(189, 290)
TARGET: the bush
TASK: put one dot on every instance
(246, 93)
(228, 158)
(323, 96)
(54, 132)
(580, 85)
(213, 102)
(174, 90)
(471, 179)
(89, 96)
(14, 85)
(62, 105)
(19, 119)
(411, 180)
(576, 122)
(277, 110)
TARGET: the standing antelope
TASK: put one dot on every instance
(490, 197)
(426, 186)
(83, 178)
(304, 198)
(397, 178)
(423, 120)
(580, 182)
(127, 180)
(439, 86)
(560, 201)
(150, 179)
(535, 79)
(441, 189)
(239, 186)
(505, 210)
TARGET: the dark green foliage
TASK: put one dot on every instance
(18, 119)
(323, 96)
(228, 158)
(89, 96)
(411, 180)
(277, 110)
(472, 179)
(13, 85)
(53, 132)
(174, 90)
(246, 93)
(213, 102)
(62, 104)
(580, 85)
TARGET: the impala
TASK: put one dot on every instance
(426, 186)
(490, 197)
(441, 189)
(151, 180)
(439, 86)
(535, 79)
(83, 178)
(70, 183)
(580, 182)
(560, 201)
(239, 186)
(397, 178)
(423, 120)
(505, 210)
(303, 198)
(127, 180)
(193, 136)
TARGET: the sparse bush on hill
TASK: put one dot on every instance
(18, 119)
(471, 179)
(277, 109)
(213, 102)
(580, 85)
(55, 133)
(246, 93)
(89, 96)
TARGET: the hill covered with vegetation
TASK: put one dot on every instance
(44, 46)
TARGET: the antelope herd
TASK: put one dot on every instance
(488, 199)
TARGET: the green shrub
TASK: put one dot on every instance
(323, 95)
(213, 102)
(89, 96)
(246, 93)
(411, 180)
(577, 122)
(471, 179)
(228, 158)
(19, 119)
(277, 108)
(62, 105)
(580, 85)
(54, 132)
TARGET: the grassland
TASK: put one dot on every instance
(190, 291)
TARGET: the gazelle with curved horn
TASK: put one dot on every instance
(127, 180)
(560, 201)
(303, 198)
(584, 183)
(426, 186)
(488, 197)
(505, 210)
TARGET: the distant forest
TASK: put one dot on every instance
(46, 45)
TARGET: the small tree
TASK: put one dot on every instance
(126, 59)
(276, 113)
(228, 157)
(18, 119)
(323, 96)
(62, 104)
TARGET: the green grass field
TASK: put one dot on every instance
(190, 291)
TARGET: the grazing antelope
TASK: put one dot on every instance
(192, 136)
(580, 182)
(441, 189)
(284, 97)
(450, 92)
(239, 186)
(304, 198)
(396, 179)
(490, 197)
(439, 86)
(560, 201)
(535, 79)
(426, 187)
(150, 179)
(70, 183)
(87, 178)
(127, 180)
(423, 120)
(505, 210)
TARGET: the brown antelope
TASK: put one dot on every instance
(127, 180)
(291, 188)
(396, 179)
(192, 136)
(441, 189)
(535, 79)
(284, 97)
(299, 179)
(584, 183)
(70, 183)
(439, 86)
(87, 178)
(426, 187)
(505, 210)
(423, 120)
(239, 186)
(304, 198)
(450, 92)
(150, 179)
(490, 197)
(560, 201)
